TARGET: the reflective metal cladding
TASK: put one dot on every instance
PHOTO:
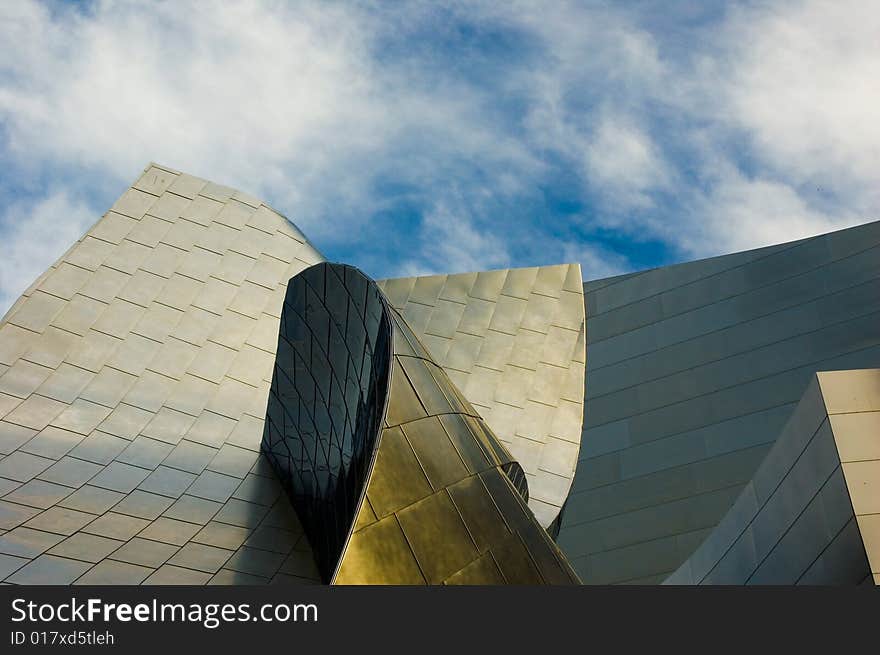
(513, 342)
(397, 479)
(134, 377)
(189, 395)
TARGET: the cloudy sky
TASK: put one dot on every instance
(421, 137)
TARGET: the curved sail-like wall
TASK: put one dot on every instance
(513, 341)
(809, 514)
(134, 378)
(693, 370)
(396, 477)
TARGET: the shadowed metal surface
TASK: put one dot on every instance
(810, 513)
(693, 370)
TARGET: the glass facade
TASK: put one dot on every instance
(327, 397)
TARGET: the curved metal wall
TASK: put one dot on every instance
(809, 514)
(135, 373)
(513, 342)
(443, 502)
(134, 377)
(692, 372)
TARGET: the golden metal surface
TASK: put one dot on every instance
(482, 571)
(379, 554)
(438, 537)
(397, 479)
(438, 507)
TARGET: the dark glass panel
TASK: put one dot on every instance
(325, 404)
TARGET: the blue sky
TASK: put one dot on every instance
(421, 137)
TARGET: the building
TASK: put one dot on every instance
(192, 395)
(693, 373)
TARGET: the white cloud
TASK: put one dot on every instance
(51, 225)
(451, 243)
(623, 165)
(747, 213)
(596, 262)
(588, 101)
(803, 85)
(782, 110)
(755, 126)
(287, 101)
(765, 130)
(236, 93)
